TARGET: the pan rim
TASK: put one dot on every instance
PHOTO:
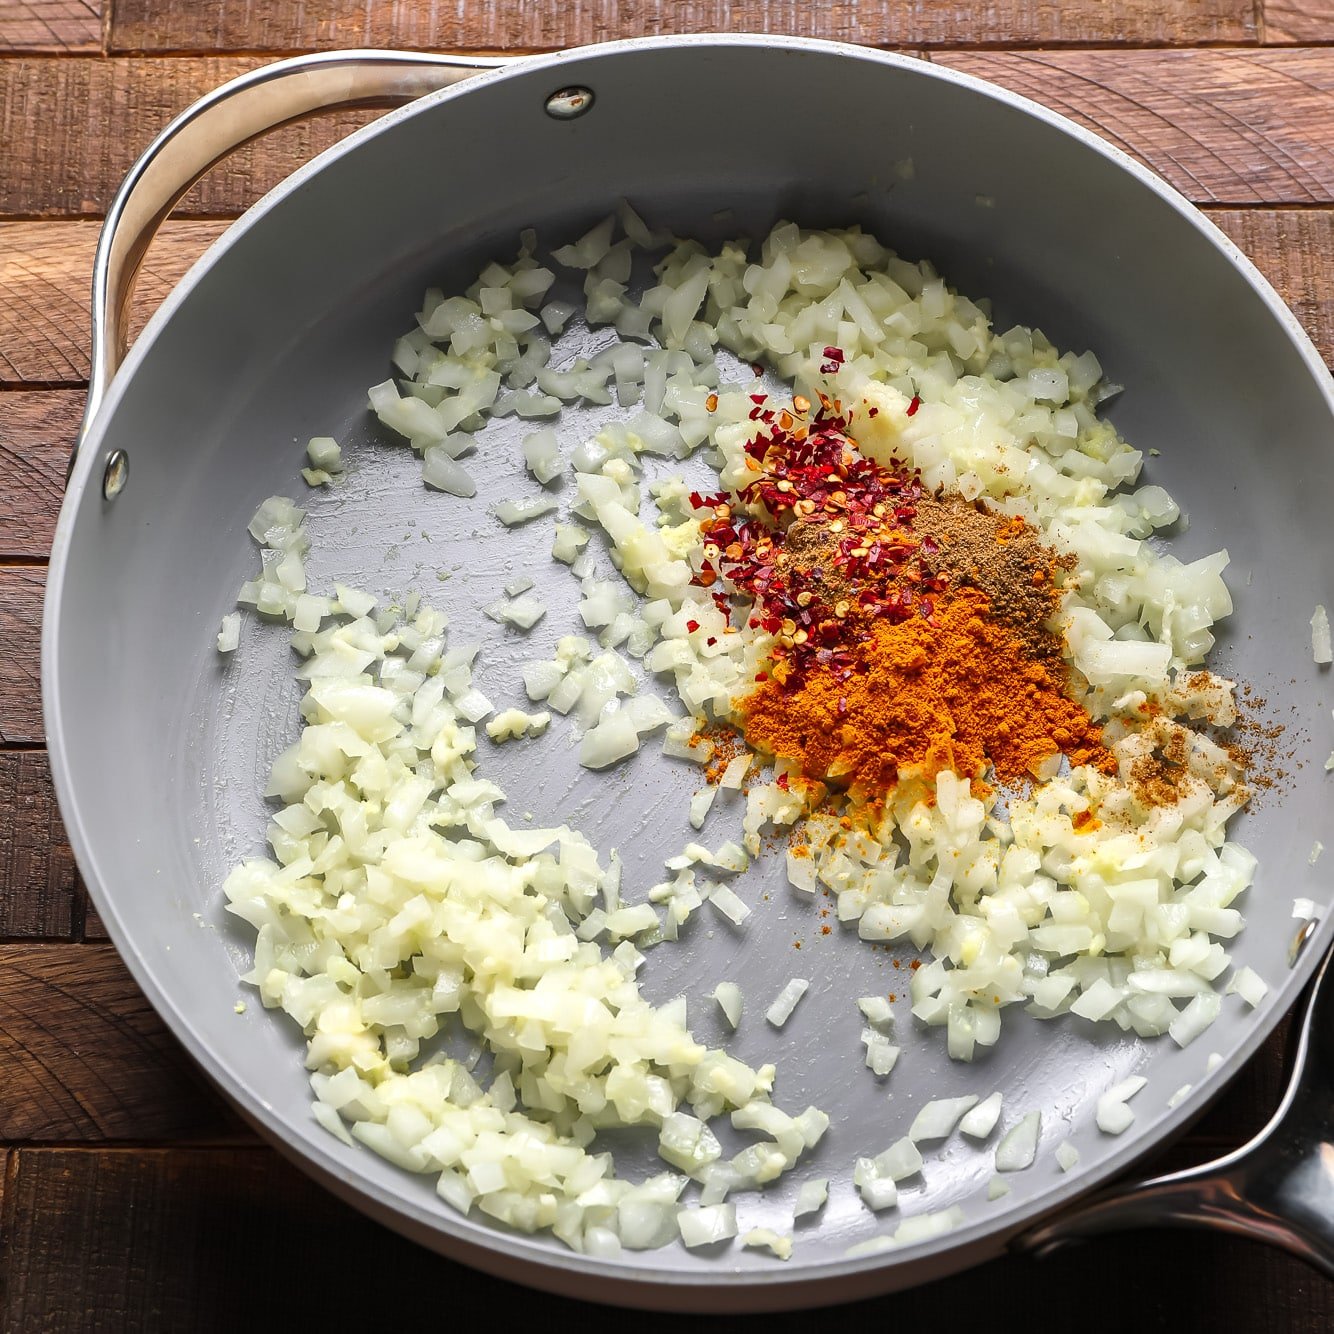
(631, 1279)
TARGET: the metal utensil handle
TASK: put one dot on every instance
(215, 126)
(1279, 1188)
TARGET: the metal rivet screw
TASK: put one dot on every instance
(116, 475)
(1304, 933)
(569, 103)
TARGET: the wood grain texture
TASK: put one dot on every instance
(50, 25)
(20, 654)
(86, 1058)
(227, 1239)
(36, 433)
(1298, 21)
(1224, 127)
(1243, 127)
(45, 275)
(40, 895)
(513, 25)
(72, 128)
(1294, 249)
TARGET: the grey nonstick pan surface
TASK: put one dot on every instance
(160, 749)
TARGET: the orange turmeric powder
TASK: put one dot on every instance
(955, 691)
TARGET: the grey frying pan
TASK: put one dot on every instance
(159, 750)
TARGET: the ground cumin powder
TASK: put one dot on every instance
(956, 691)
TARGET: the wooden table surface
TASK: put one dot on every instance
(131, 1197)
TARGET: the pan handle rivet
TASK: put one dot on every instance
(117, 473)
(1304, 933)
(568, 103)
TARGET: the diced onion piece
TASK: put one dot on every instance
(997, 1187)
(1249, 985)
(937, 1119)
(877, 1010)
(1066, 1155)
(811, 1197)
(1321, 649)
(324, 454)
(707, 1224)
(512, 723)
(1113, 1116)
(1314, 855)
(1195, 1018)
(922, 1227)
(700, 803)
(229, 632)
(901, 1160)
(735, 773)
(729, 905)
(729, 998)
(763, 1238)
(786, 1001)
(981, 1120)
(1019, 1146)
(514, 512)
(611, 740)
(441, 472)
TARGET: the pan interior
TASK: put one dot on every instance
(162, 748)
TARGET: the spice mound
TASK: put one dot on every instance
(910, 628)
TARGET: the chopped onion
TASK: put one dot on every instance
(1321, 650)
(937, 1119)
(997, 1187)
(1195, 1018)
(514, 512)
(729, 905)
(781, 1010)
(1019, 1146)
(728, 996)
(1113, 1116)
(229, 632)
(811, 1197)
(1066, 1155)
(981, 1120)
(1248, 984)
(707, 1224)
(763, 1238)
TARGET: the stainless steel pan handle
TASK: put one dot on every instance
(1279, 1188)
(217, 125)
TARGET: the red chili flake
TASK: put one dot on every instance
(834, 354)
(711, 641)
(759, 398)
(692, 626)
(914, 405)
(872, 412)
(782, 782)
(930, 546)
(756, 369)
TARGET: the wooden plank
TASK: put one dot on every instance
(86, 1058)
(1298, 21)
(237, 1239)
(1294, 249)
(1224, 127)
(511, 25)
(36, 433)
(72, 128)
(63, 26)
(20, 634)
(45, 276)
(39, 889)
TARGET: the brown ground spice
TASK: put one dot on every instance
(956, 692)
